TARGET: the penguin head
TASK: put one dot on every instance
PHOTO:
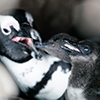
(53, 45)
(68, 48)
(14, 44)
(85, 51)
(26, 22)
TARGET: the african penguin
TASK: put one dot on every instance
(84, 56)
(25, 20)
(26, 23)
(44, 79)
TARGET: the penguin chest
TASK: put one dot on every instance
(55, 86)
(27, 74)
(45, 81)
(75, 93)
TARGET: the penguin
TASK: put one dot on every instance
(44, 79)
(26, 23)
(84, 56)
(25, 20)
(53, 45)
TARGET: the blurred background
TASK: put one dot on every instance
(80, 18)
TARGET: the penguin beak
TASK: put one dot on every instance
(53, 45)
(29, 43)
(28, 36)
(44, 45)
(54, 49)
(24, 40)
(59, 49)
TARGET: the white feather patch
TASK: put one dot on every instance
(7, 21)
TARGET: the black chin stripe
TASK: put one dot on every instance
(40, 85)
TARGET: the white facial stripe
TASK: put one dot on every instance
(7, 21)
(29, 18)
(71, 47)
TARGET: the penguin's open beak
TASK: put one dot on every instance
(28, 42)
(23, 40)
(29, 36)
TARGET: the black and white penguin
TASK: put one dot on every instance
(25, 20)
(84, 56)
(26, 23)
(44, 79)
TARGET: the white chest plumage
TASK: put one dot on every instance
(56, 86)
(29, 73)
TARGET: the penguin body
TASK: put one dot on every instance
(44, 79)
(39, 78)
(84, 56)
(85, 74)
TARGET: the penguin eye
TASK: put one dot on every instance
(6, 31)
(86, 49)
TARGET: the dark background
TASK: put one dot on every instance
(80, 18)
